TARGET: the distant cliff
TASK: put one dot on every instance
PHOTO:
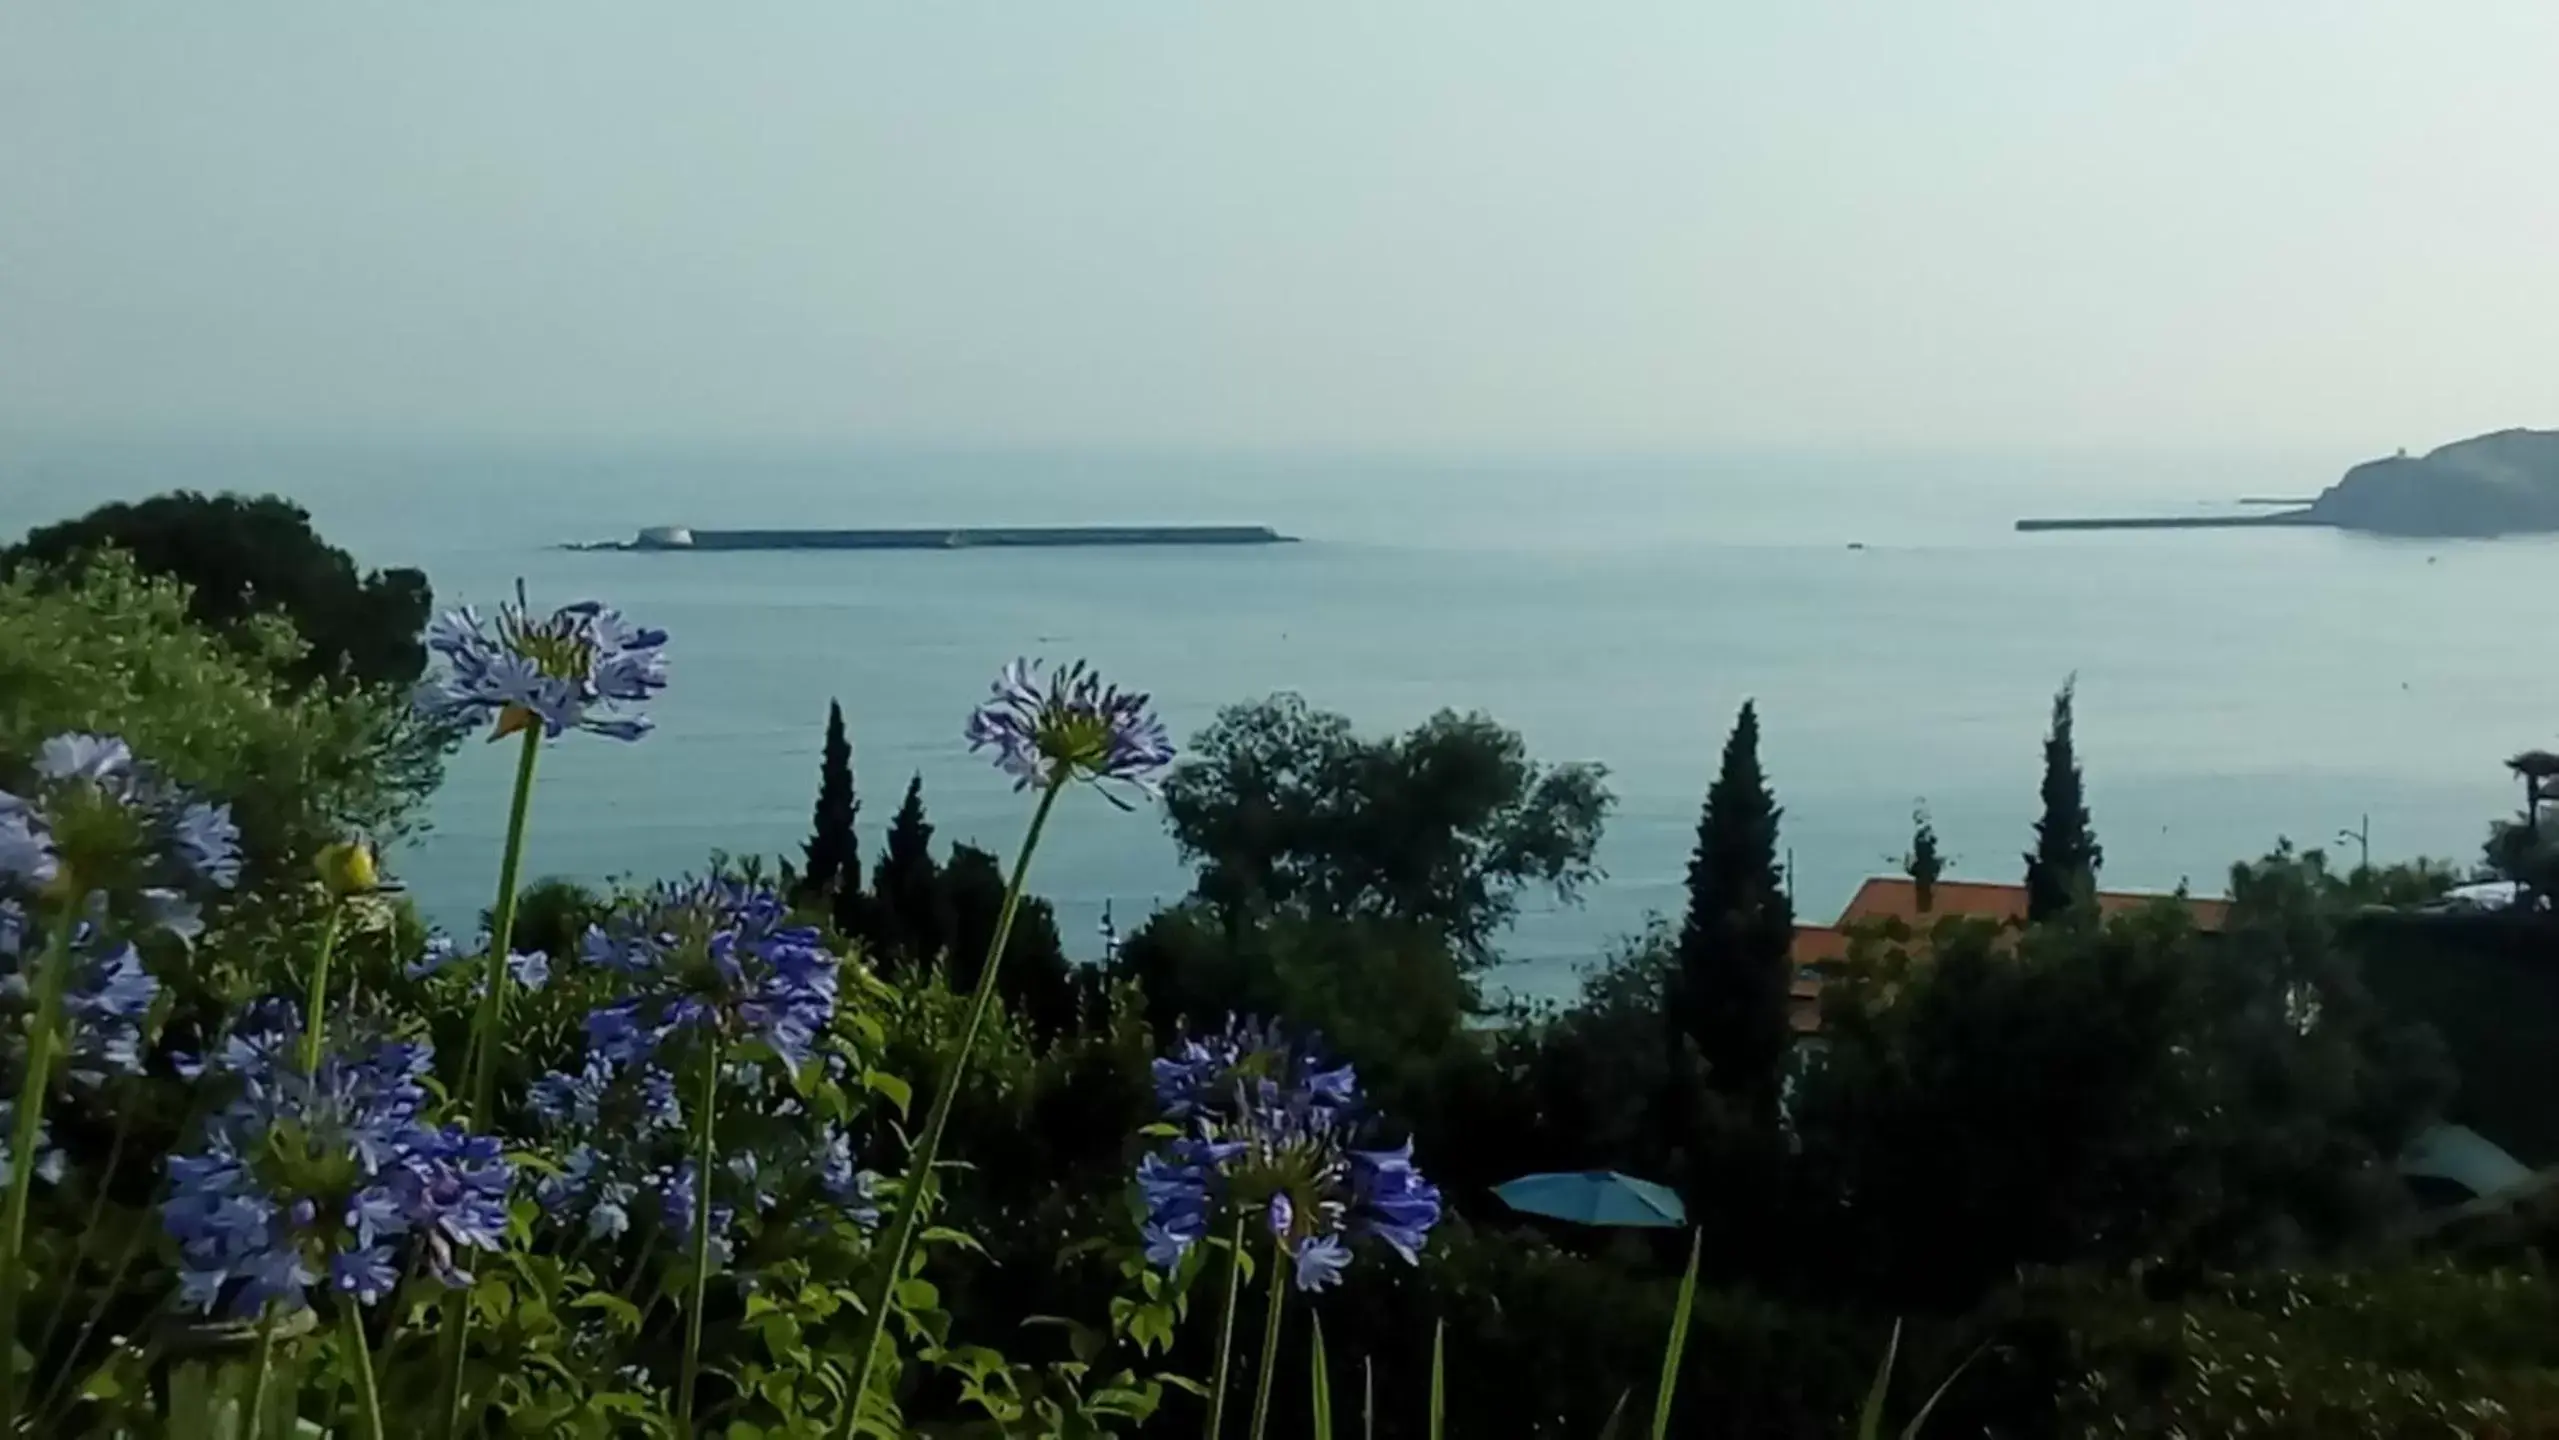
(2501, 484)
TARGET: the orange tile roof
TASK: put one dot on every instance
(1895, 897)
(1819, 945)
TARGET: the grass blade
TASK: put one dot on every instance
(1322, 1385)
(1678, 1342)
(1439, 1381)
(1911, 1431)
(1870, 1420)
(1616, 1420)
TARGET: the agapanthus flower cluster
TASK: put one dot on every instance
(627, 1139)
(330, 1177)
(711, 958)
(1272, 1130)
(98, 825)
(582, 667)
(1048, 726)
(101, 845)
(703, 961)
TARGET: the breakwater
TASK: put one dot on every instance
(1021, 537)
(2177, 522)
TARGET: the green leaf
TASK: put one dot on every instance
(193, 1405)
(1911, 1431)
(1870, 1418)
(890, 1088)
(624, 1315)
(1616, 1420)
(1678, 1342)
(945, 1235)
(1082, 1340)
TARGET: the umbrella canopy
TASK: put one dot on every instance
(1594, 1197)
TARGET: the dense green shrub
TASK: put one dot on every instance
(112, 650)
(2390, 1354)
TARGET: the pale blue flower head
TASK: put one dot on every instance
(27, 859)
(100, 760)
(1048, 726)
(582, 667)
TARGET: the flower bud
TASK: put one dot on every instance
(347, 868)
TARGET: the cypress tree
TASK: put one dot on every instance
(2062, 868)
(908, 917)
(1037, 982)
(1925, 862)
(1735, 944)
(833, 856)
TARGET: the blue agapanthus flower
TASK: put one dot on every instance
(107, 996)
(582, 667)
(110, 996)
(97, 853)
(1271, 1128)
(1204, 1073)
(116, 826)
(626, 1136)
(1048, 726)
(708, 958)
(327, 1177)
(50, 1162)
(27, 858)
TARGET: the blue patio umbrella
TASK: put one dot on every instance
(1595, 1197)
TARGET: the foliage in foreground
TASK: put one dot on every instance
(113, 651)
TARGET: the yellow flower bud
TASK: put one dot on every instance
(347, 868)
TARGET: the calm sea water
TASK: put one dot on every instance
(2235, 686)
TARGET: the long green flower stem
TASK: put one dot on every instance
(1226, 1331)
(486, 1036)
(253, 1420)
(311, 1012)
(701, 1245)
(488, 1031)
(368, 1396)
(1271, 1319)
(50, 980)
(919, 1165)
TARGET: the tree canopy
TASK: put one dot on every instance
(242, 558)
(2110, 1093)
(112, 650)
(1284, 807)
(909, 916)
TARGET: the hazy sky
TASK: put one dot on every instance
(1434, 224)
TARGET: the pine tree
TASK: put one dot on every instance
(2062, 868)
(1925, 862)
(1731, 992)
(908, 918)
(833, 856)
